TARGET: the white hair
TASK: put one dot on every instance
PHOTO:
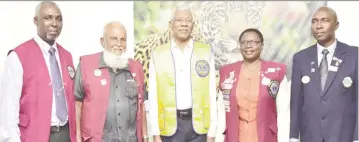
(181, 8)
(41, 4)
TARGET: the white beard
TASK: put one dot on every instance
(114, 61)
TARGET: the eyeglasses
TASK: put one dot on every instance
(179, 20)
(250, 42)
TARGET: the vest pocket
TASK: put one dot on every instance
(23, 123)
(85, 135)
(274, 128)
(24, 120)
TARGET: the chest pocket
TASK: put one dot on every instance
(130, 87)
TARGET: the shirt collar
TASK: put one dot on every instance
(330, 48)
(189, 44)
(44, 45)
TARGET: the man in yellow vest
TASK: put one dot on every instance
(182, 86)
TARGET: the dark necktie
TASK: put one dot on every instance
(324, 68)
(57, 87)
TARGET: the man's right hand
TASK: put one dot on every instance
(13, 139)
(78, 138)
(157, 139)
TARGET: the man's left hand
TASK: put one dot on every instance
(210, 139)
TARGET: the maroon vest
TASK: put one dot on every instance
(36, 97)
(266, 110)
(95, 104)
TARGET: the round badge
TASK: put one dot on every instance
(273, 88)
(347, 82)
(265, 81)
(305, 79)
(71, 71)
(202, 68)
(97, 72)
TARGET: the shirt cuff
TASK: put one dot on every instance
(154, 131)
(211, 132)
(11, 135)
(13, 139)
(293, 140)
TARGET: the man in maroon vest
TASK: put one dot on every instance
(37, 85)
(109, 90)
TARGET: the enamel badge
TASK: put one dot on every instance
(347, 82)
(265, 81)
(273, 88)
(227, 85)
(97, 72)
(202, 68)
(71, 71)
(305, 79)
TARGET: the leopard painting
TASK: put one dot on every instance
(220, 24)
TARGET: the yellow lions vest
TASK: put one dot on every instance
(166, 88)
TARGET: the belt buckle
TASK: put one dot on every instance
(183, 114)
(57, 128)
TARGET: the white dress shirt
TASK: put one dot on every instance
(330, 55)
(283, 111)
(182, 60)
(11, 87)
(221, 118)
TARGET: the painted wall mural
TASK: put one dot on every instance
(285, 26)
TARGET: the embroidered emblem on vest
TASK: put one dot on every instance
(71, 71)
(273, 88)
(202, 68)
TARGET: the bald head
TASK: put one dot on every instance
(328, 10)
(118, 26)
(324, 24)
(114, 38)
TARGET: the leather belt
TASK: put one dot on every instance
(58, 128)
(185, 114)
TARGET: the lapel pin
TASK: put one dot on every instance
(97, 72)
(312, 70)
(337, 63)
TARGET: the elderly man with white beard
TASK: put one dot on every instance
(109, 90)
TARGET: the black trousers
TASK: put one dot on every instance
(60, 134)
(185, 133)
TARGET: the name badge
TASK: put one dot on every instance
(333, 68)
